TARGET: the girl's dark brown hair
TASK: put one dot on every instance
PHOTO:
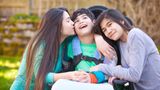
(117, 17)
(49, 33)
(114, 15)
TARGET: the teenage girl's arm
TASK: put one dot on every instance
(103, 46)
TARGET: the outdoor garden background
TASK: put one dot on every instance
(19, 20)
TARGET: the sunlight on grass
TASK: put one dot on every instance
(158, 48)
(8, 71)
(9, 74)
(9, 68)
(9, 64)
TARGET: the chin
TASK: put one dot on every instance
(114, 39)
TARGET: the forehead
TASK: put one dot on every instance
(65, 14)
(81, 15)
(104, 22)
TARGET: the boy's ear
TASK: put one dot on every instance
(94, 21)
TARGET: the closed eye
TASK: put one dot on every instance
(75, 21)
(109, 24)
(85, 17)
(68, 19)
(103, 30)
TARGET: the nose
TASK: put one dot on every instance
(109, 30)
(80, 21)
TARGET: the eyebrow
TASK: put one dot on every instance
(106, 23)
(103, 27)
(68, 18)
(83, 15)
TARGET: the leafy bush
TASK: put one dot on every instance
(9, 36)
(24, 18)
(2, 29)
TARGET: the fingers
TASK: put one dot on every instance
(108, 51)
(110, 80)
(81, 76)
(85, 78)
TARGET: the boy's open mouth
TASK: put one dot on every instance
(83, 26)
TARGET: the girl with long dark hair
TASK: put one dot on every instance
(140, 59)
(41, 61)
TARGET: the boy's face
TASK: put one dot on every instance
(83, 25)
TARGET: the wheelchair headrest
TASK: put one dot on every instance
(97, 9)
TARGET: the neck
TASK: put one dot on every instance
(124, 37)
(62, 38)
(88, 39)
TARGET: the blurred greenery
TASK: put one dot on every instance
(24, 18)
(158, 48)
(8, 71)
(1, 29)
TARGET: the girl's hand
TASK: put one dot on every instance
(110, 80)
(104, 47)
(94, 68)
(84, 77)
(79, 76)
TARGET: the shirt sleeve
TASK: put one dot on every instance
(100, 76)
(135, 61)
(19, 82)
(37, 61)
(50, 78)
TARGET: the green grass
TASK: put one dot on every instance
(8, 71)
(158, 48)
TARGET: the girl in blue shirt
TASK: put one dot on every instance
(41, 61)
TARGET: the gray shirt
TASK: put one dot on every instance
(140, 62)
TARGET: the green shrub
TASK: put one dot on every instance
(24, 18)
(12, 49)
(14, 29)
(9, 36)
(158, 48)
(23, 37)
(2, 29)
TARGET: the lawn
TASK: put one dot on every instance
(158, 48)
(8, 71)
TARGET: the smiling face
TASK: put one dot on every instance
(67, 25)
(111, 29)
(83, 25)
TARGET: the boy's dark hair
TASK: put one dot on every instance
(82, 11)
